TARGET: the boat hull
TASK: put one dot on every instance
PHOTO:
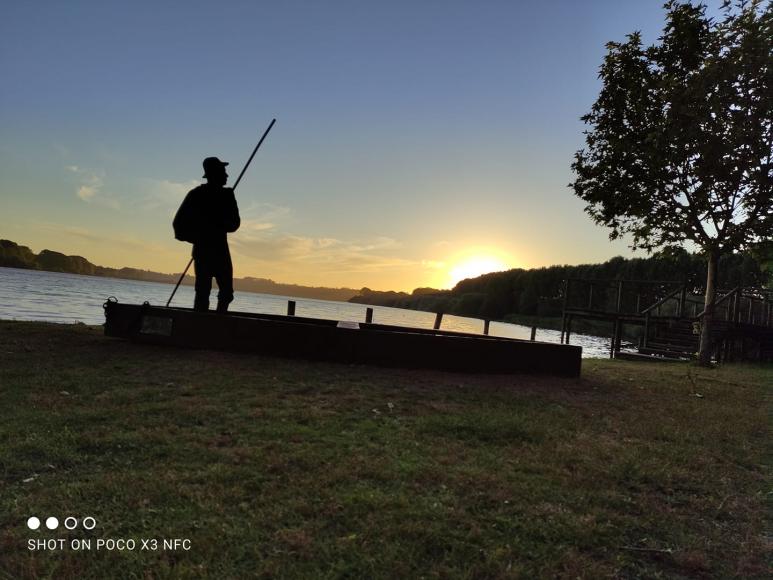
(339, 341)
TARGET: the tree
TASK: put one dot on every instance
(680, 143)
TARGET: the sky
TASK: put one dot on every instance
(416, 142)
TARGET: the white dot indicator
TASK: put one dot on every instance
(52, 523)
(33, 523)
(89, 523)
(70, 523)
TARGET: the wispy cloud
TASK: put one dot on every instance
(258, 218)
(433, 264)
(88, 192)
(252, 226)
(263, 245)
(265, 212)
(90, 187)
(163, 193)
(83, 234)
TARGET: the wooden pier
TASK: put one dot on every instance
(666, 317)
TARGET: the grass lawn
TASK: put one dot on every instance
(283, 468)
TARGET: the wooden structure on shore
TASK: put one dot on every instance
(667, 317)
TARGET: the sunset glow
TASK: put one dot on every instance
(475, 266)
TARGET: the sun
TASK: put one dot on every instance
(474, 266)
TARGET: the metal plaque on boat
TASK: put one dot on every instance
(158, 325)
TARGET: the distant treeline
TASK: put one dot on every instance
(12, 255)
(538, 292)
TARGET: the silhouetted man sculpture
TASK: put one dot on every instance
(207, 214)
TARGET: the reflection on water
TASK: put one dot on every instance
(51, 296)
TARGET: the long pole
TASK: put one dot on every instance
(238, 179)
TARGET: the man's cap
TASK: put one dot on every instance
(213, 164)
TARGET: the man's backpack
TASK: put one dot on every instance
(184, 222)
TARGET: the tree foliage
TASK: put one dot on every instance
(681, 136)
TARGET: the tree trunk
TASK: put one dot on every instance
(705, 350)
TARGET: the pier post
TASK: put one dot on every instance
(564, 334)
(737, 307)
(614, 339)
(568, 328)
(533, 333)
(291, 308)
(438, 320)
(368, 315)
(486, 324)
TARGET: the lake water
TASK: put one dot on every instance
(68, 298)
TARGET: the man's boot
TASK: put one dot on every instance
(200, 304)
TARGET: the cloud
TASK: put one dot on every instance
(128, 243)
(377, 244)
(267, 246)
(266, 212)
(252, 226)
(433, 264)
(87, 192)
(163, 193)
(260, 217)
(90, 187)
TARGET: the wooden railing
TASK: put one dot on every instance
(632, 297)
(744, 305)
(666, 299)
